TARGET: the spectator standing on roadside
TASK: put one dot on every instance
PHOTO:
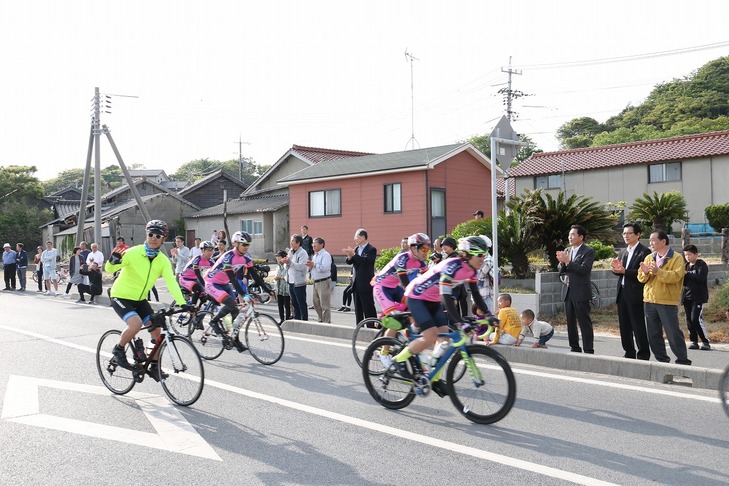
(49, 257)
(321, 273)
(21, 263)
(437, 254)
(84, 250)
(662, 273)
(630, 294)
(347, 295)
(296, 265)
(222, 248)
(478, 215)
(306, 242)
(196, 250)
(362, 258)
(214, 237)
(694, 295)
(575, 266)
(75, 264)
(38, 267)
(282, 288)
(180, 255)
(9, 267)
(95, 256)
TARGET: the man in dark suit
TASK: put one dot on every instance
(630, 294)
(575, 267)
(362, 258)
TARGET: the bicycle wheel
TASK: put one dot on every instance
(117, 379)
(360, 336)
(180, 323)
(487, 393)
(594, 295)
(265, 339)
(181, 362)
(386, 386)
(206, 340)
(724, 390)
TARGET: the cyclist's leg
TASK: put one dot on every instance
(430, 318)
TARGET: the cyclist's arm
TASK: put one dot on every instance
(236, 283)
(478, 299)
(112, 268)
(259, 280)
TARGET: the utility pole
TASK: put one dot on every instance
(510, 94)
(241, 162)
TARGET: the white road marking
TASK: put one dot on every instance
(174, 432)
(450, 446)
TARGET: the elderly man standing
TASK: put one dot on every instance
(362, 258)
(95, 256)
(575, 265)
(9, 266)
(321, 273)
(296, 264)
(662, 273)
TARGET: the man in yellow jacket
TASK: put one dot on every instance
(662, 273)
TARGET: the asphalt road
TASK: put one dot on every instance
(309, 420)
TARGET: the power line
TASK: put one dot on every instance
(635, 57)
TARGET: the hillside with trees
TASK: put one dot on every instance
(697, 103)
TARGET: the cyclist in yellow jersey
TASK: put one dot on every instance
(140, 266)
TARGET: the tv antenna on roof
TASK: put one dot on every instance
(410, 58)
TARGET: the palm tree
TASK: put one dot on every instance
(558, 214)
(660, 209)
(517, 238)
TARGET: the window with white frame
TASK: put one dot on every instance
(252, 227)
(393, 198)
(668, 172)
(325, 203)
(551, 181)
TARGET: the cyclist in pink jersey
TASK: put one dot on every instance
(191, 276)
(431, 292)
(221, 283)
(390, 282)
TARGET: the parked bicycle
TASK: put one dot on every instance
(478, 380)
(61, 275)
(263, 336)
(180, 368)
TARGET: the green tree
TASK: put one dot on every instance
(197, 169)
(558, 214)
(20, 194)
(661, 210)
(518, 238)
(718, 216)
(111, 178)
(471, 227)
(579, 132)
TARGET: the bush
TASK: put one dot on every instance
(602, 251)
(722, 297)
(472, 227)
(385, 256)
(718, 216)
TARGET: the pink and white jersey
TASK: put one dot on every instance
(403, 263)
(230, 261)
(440, 280)
(197, 263)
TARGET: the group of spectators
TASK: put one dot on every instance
(651, 285)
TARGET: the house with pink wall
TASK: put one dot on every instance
(391, 195)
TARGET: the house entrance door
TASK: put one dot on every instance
(437, 213)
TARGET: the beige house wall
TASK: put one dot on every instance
(703, 183)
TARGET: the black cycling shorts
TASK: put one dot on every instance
(126, 308)
(427, 314)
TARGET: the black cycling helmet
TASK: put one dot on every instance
(207, 244)
(473, 245)
(157, 227)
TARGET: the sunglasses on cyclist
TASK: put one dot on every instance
(155, 235)
(478, 255)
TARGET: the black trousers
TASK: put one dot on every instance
(9, 274)
(579, 312)
(284, 307)
(364, 305)
(632, 326)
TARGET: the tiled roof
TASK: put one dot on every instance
(373, 163)
(261, 204)
(317, 155)
(647, 151)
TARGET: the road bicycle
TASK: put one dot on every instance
(264, 338)
(254, 289)
(180, 368)
(724, 390)
(180, 322)
(363, 334)
(61, 275)
(478, 380)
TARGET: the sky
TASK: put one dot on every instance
(190, 79)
